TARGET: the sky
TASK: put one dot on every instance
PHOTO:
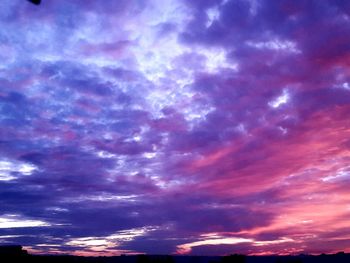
(185, 127)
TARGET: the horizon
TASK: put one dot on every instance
(16, 250)
(187, 127)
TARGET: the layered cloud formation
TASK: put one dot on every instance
(189, 127)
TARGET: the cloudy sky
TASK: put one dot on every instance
(202, 127)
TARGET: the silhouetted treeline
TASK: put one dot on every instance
(17, 254)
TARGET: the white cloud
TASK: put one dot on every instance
(9, 168)
(16, 221)
(111, 241)
(275, 44)
(273, 242)
(211, 239)
(341, 174)
(213, 15)
(280, 100)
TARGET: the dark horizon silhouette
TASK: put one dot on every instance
(10, 253)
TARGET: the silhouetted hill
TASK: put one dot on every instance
(17, 254)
